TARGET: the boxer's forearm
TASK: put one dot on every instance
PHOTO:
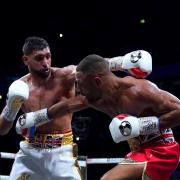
(5, 126)
(45, 115)
(170, 120)
(67, 106)
(115, 63)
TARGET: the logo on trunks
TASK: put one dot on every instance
(125, 128)
(135, 56)
(22, 120)
(24, 176)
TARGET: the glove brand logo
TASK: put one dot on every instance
(135, 56)
(125, 128)
(22, 120)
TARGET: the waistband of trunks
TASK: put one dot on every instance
(50, 140)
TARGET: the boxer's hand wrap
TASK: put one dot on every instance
(115, 63)
(31, 119)
(124, 127)
(18, 92)
(138, 63)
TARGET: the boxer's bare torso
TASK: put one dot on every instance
(44, 93)
(134, 97)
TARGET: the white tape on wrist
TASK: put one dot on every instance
(115, 64)
(149, 125)
(40, 117)
(31, 119)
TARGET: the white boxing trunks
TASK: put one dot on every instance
(47, 157)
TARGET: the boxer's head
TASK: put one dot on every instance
(91, 75)
(37, 56)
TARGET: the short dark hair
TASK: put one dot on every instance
(34, 43)
(93, 64)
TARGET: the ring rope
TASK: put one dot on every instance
(83, 161)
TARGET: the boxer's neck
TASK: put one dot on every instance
(38, 80)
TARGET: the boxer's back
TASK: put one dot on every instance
(138, 97)
(143, 98)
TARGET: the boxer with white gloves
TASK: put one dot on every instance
(48, 151)
(18, 93)
(124, 127)
(151, 113)
(138, 63)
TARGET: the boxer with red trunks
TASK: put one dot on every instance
(141, 113)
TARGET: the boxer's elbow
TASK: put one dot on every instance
(170, 120)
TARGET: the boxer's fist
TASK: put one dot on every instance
(31, 119)
(124, 127)
(138, 63)
(18, 92)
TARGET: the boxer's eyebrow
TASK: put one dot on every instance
(40, 57)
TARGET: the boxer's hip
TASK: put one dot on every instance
(159, 154)
(46, 141)
(163, 138)
(43, 145)
(50, 154)
(160, 160)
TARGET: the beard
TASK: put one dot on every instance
(43, 73)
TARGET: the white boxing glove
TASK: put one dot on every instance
(31, 119)
(138, 63)
(138, 59)
(124, 127)
(18, 93)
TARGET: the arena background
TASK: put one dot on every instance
(108, 28)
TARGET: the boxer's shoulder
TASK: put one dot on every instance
(139, 82)
(64, 70)
(66, 73)
(24, 78)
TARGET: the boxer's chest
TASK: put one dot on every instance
(44, 96)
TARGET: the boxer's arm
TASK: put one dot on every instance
(124, 127)
(5, 126)
(170, 119)
(165, 104)
(137, 63)
(161, 103)
(37, 118)
(65, 106)
(18, 92)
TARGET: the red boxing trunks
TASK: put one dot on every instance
(161, 157)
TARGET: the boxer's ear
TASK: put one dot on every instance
(25, 59)
(98, 81)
